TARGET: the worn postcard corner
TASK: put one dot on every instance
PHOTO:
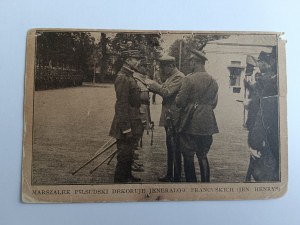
(123, 115)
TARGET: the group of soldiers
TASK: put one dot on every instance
(48, 77)
(187, 115)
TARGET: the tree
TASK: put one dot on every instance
(65, 48)
(147, 44)
(62, 58)
(103, 48)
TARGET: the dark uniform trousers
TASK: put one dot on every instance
(125, 159)
(199, 144)
(126, 146)
(174, 155)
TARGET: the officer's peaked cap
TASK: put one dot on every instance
(132, 54)
(167, 59)
(265, 56)
(198, 54)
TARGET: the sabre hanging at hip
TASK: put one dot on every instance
(104, 148)
(151, 124)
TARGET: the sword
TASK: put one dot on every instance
(110, 157)
(151, 124)
(96, 155)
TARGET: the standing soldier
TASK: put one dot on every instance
(168, 90)
(127, 126)
(197, 99)
(263, 137)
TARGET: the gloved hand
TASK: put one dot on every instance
(153, 85)
(149, 81)
(254, 153)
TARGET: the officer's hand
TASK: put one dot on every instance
(153, 85)
(254, 153)
(149, 81)
(256, 70)
(246, 103)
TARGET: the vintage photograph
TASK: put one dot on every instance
(154, 115)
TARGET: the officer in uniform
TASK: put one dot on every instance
(127, 126)
(197, 99)
(168, 90)
(263, 137)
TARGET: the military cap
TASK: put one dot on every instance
(265, 56)
(251, 60)
(198, 54)
(132, 54)
(167, 59)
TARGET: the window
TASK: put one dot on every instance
(235, 70)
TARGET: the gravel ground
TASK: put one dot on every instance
(70, 125)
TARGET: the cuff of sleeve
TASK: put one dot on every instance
(126, 131)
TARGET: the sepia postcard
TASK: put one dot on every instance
(118, 115)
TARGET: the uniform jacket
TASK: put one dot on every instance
(200, 88)
(168, 90)
(127, 112)
(264, 133)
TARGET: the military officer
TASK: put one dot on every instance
(197, 99)
(168, 90)
(263, 137)
(127, 126)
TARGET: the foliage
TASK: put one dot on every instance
(147, 44)
(79, 50)
(71, 49)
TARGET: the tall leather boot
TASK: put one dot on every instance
(177, 166)
(170, 162)
(204, 169)
(122, 172)
(124, 161)
(189, 169)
